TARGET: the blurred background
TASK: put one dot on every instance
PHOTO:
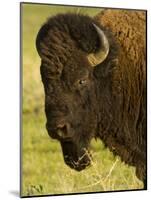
(43, 168)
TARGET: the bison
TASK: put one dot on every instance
(94, 76)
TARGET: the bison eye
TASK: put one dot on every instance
(82, 82)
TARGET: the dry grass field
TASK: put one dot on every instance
(43, 168)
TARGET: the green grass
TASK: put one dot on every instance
(43, 168)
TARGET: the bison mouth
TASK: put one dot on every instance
(74, 157)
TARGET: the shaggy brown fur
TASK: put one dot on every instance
(107, 101)
(128, 88)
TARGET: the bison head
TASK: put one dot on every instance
(70, 46)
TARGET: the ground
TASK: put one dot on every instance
(43, 168)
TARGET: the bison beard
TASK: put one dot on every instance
(94, 77)
(77, 158)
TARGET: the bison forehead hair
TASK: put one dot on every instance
(93, 72)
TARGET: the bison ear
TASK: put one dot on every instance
(98, 57)
(111, 66)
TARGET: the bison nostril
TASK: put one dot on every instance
(62, 131)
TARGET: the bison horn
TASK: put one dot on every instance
(101, 54)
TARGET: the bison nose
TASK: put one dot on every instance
(63, 131)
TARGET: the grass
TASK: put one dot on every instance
(43, 168)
